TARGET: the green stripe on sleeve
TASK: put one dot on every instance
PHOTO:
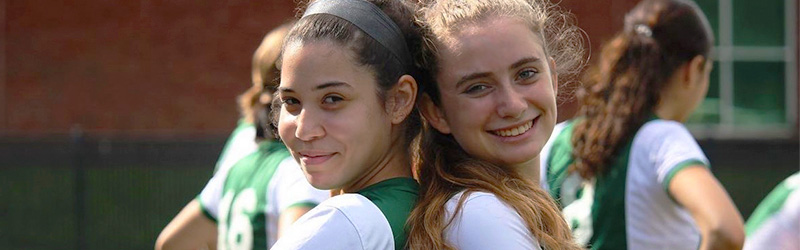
(305, 204)
(678, 167)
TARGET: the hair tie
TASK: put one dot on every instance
(370, 19)
(644, 30)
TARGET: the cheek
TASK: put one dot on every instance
(460, 110)
(544, 96)
(286, 126)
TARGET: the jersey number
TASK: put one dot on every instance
(235, 229)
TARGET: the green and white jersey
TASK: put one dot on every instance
(629, 206)
(371, 219)
(241, 143)
(246, 199)
(775, 224)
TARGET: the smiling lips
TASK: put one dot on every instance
(514, 131)
(315, 158)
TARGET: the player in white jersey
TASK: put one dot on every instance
(348, 89)
(257, 189)
(491, 108)
(775, 224)
(626, 171)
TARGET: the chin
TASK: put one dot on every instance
(520, 157)
(321, 183)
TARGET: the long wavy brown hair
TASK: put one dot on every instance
(624, 86)
(444, 168)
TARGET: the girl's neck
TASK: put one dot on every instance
(671, 108)
(395, 163)
(529, 170)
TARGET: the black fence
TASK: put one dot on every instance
(95, 192)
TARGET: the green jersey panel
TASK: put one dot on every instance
(558, 162)
(395, 198)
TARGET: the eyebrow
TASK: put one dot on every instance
(470, 77)
(477, 75)
(321, 86)
(524, 61)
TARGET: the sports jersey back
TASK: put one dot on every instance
(247, 199)
(241, 220)
(629, 206)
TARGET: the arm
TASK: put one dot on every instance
(190, 229)
(719, 221)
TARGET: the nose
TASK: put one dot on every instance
(309, 126)
(510, 103)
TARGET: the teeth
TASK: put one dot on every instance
(514, 131)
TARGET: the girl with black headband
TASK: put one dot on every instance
(628, 173)
(347, 113)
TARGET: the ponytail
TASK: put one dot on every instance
(624, 87)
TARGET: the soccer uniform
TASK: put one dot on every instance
(486, 222)
(775, 224)
(629, 206)
(246, 199)
(374, 218)
(241, 143)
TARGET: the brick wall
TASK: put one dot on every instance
(129, 66)
(155, 66)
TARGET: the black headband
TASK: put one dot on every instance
(370, 19)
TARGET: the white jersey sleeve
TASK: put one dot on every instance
(343, 222)
(670, 148)
(486, 222)
(211, 195)
(289, 187)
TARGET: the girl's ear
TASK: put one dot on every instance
(694, 71)
(433, 114)
(401, 99)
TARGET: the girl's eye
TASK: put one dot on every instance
(290, 104)
(526, 74)
(286, 101)
(477, 88)
(332, 99)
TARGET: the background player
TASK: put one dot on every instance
(637, 178)
(248, 204)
